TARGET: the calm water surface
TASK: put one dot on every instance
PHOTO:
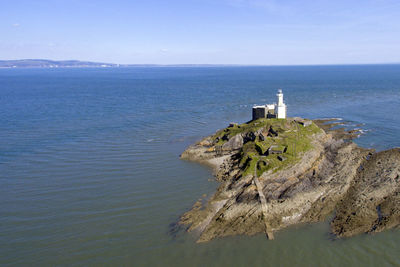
(90, 174)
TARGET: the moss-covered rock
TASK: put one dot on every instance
(303, 178)
(265, 137)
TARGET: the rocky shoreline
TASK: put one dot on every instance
(359, 186)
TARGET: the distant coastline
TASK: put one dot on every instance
(46, 63)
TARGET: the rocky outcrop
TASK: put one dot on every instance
(361, 187)
(372, 204)
(233, 143)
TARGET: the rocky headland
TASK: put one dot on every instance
(276, 173)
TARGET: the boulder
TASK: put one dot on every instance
(234, 143)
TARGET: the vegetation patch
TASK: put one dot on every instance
(273, 138)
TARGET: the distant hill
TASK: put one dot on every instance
(44, 63)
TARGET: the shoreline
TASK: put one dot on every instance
(322, 182)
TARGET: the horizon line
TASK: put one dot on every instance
(204, 64)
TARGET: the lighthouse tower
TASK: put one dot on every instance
(280, 109)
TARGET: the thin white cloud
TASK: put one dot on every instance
(16, 25)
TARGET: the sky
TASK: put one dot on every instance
(249, 32)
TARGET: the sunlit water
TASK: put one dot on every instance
(90, 174)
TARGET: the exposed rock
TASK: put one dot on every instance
(372, 203)
(206, 142)
(234, 143)
(362, 186)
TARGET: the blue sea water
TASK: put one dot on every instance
(90, 171)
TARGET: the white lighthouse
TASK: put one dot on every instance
(270, 111)
(280, 109)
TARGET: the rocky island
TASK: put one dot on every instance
(275, 173)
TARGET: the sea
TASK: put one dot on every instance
(90, 173)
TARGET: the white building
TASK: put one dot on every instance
(271, 110)
(280, 109)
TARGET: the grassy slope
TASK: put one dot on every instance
(291, 135)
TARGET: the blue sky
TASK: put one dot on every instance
(262, 32)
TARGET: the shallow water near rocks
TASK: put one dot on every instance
(90, 173)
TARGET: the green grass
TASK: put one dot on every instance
(291, 135)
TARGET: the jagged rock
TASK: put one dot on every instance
(363, 187)
(372, 204)
(234, 143)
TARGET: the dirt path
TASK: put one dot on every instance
(264, 206)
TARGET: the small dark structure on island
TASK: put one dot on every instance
(271, 110)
